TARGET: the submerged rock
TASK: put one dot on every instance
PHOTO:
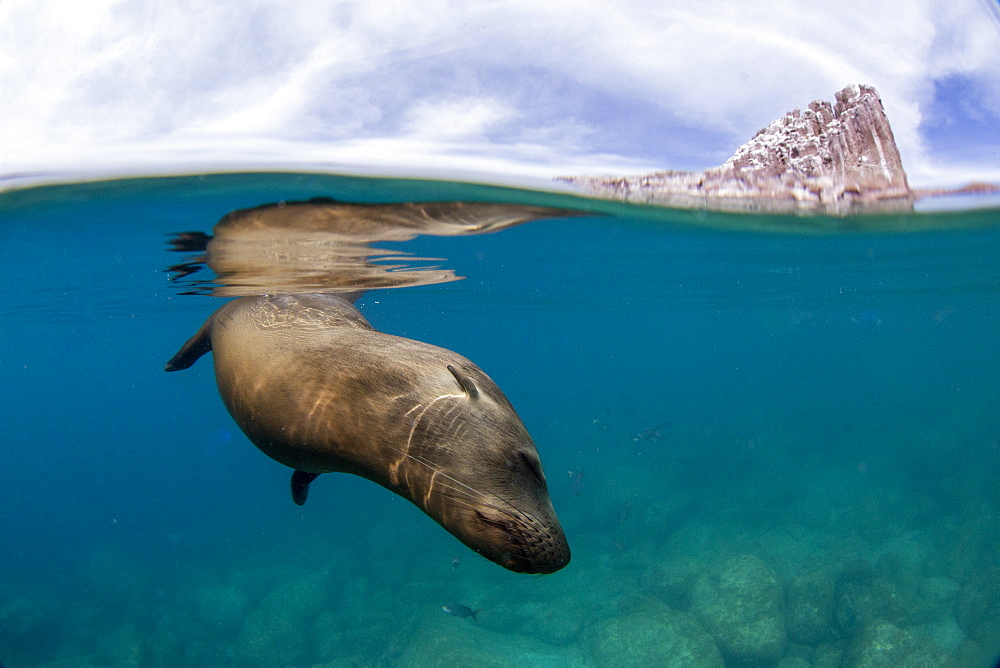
(673, 580)
(861, 597)
(220, 607)
(122, 647)
(270, 638)
(22, 623)
(944, 633)
(441, 642)
(300, 596)
(831, 158)
(828, 655)
(793, 651)
(794, 662)
(742, 607)
(939, 591)
(809, 608)
(883, 644)
(979, 606)
(667, 638)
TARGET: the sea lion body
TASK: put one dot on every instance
(317, 388)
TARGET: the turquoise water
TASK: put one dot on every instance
(764, 447)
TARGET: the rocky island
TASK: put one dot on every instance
(833, 159)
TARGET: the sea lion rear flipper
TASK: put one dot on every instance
(300, 485)
(196, 346)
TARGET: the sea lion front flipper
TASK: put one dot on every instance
(300, 485)
(196, 346)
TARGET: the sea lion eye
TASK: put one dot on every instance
(489, 521)
(533, 465)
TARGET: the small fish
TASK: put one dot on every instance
(868, 319)
(463, 611)
(653, 433)
(625, 511)
(455, 563)
(939, 316)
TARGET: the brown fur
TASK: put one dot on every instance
(316, 388)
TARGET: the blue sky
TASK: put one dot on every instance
(506, 89)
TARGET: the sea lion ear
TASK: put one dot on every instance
(467, 384)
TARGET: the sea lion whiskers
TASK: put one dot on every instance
(465, 499)
(511, 527)
(394, 466)
(426, 407)
(462, 488)
(475, 493)
(438, 471)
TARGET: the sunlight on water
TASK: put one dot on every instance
(764, 446)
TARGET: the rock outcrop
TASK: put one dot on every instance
(741, 606)
(829, 158)
(669, 638)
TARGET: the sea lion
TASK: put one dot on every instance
(317, 388)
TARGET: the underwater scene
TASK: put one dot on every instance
(534, 429)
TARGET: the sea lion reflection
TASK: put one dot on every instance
(323, 245)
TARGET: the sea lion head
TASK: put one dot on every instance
(473, 467)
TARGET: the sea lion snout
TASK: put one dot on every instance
(505, 514)
(523, 543)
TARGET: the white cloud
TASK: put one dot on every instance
(554, 83)
(467, 117)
